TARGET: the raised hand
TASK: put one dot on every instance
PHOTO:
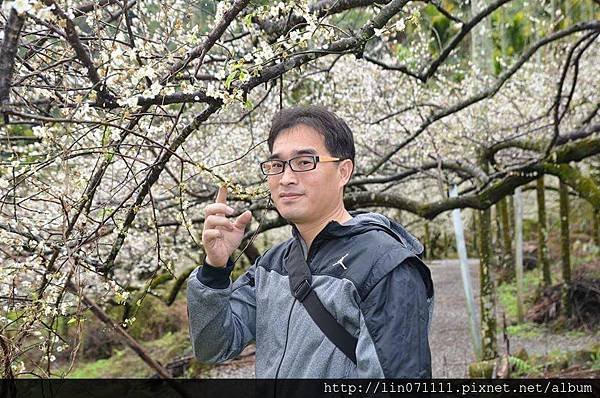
(221, 236)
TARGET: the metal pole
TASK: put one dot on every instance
(519, 251)
(466, 277)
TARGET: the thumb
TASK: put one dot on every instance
(243, 219)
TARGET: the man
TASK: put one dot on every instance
(364, 269)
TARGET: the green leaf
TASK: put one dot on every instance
(106, 136)
(231, 78)
(248, 20)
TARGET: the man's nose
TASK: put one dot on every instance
(288, 176)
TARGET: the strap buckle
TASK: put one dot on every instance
(302, 290)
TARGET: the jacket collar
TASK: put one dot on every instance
(330, 230)
(367, 222)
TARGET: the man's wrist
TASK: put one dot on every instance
(215, 264)
(215, 277)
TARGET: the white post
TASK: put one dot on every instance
(466, 277)
(519, 251)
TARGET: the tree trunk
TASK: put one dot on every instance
(542, 232)
(8, 52)
(497, 240)
(446, 244)
(487, 290)
(511, 210)
(506, 237)
(427, 241)
(565, 246)
(475, 227)
(596, 226)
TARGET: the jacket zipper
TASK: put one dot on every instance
(312, 251)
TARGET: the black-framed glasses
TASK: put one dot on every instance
(298, 163)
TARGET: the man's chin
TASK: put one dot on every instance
(291, 216)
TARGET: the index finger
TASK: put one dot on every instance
(222, 194)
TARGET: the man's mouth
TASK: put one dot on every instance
(289, 196)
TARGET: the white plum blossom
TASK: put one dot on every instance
(45, 13)
(130, 102)
(155, 88)
(212, 91)
(400, 25)
(146, 71)
(22, 6)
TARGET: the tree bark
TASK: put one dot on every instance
(475, 228)
(428, 246)
(446, 244)
(487, 289)
(511, 210)
(565, 246)
(542, 232)
(177, 285)
(596, 226)
(251, 252)
(506, 237)
(481, 58)
(8, 52)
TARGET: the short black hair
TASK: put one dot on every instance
(339, 140)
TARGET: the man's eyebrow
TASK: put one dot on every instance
(304, 151)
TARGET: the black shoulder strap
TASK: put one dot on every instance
(300, 285)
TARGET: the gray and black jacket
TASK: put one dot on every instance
(368, 275)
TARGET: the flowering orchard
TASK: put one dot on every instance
(120, 119)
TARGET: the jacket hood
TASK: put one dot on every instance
(370, 220)
(367, 221)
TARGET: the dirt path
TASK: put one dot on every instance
(450, 342)
(451, 348)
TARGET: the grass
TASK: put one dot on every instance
(523, 368)
(576, 333)
(596, 360)
(125, 363)
(553, 363)
(526, 330)
(93, 370)
(507, 293)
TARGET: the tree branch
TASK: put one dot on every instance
(487, 93)
(82, 53)
(572, 152)
(8, 52)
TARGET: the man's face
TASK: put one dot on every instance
(309, 196)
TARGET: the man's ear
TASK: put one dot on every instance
(346, 167)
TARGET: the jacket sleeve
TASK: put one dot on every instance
(222, 315)
(396, 315)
